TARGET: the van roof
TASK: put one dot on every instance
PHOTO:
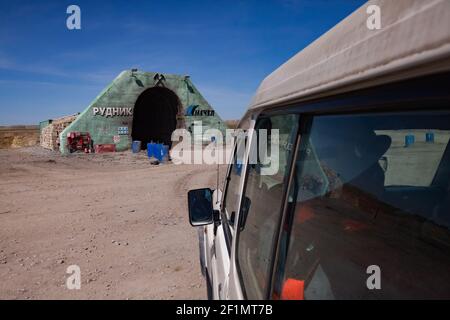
(414, 40)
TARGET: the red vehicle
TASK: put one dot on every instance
(79, 141)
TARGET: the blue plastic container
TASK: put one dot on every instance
(164, 152)
(136, 146)
(409, 140)
(429, 137)
(154, 149)
(159, 151)
(150, 149)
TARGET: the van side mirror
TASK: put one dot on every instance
(200, 205)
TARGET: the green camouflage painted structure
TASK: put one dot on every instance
(109, 118)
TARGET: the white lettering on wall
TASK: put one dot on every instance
(112, 112)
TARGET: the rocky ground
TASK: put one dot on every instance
(120, 219)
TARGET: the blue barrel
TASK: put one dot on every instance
(136, 146)
(409, 140)
(158, 151)
(164, 152)
(155, 150)
(150, 149)
(429, 137)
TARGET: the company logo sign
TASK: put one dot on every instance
(194, 110)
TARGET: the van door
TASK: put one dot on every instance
(221, 243)
(368, 214)
(257, 227)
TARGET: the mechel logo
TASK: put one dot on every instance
(193, 110)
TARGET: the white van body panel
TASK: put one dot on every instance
(217, 259)
(346, 58)
(221, 267)
(235, 291)
(414, 40)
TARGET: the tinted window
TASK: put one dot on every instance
(261, 204)
(366, 196)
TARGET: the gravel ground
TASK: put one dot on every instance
(120, 219)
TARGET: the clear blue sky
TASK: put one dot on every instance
(227, 47)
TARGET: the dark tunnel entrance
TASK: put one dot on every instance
(155, 116)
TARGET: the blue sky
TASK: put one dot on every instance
(227, 47)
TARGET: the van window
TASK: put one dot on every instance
(261, 204)
(369, 209)
(232, 196)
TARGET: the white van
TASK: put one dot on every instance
(360, 205)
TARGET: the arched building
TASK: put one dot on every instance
(143, 106)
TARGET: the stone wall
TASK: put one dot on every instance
(50, 134)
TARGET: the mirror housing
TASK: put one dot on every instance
(200, 204)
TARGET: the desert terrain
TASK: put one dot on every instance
(18, 136)
(123, 221)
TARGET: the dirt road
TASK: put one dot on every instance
(121, 220)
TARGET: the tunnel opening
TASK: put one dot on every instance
(155, 116)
